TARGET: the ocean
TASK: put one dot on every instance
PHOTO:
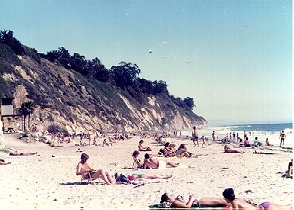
(262, 131)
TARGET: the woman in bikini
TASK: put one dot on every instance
(181, 202)
(142, 148)
(87, 172)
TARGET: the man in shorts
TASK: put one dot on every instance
(195, 136)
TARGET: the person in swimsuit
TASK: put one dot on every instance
(2, 162)
(137, 162)
(87, 172)
(152, 163)
(272, 206)
(282, 137)
(142, 148)
(227, 149)
(16, 153)
(180, 202)
(237, 203)
(195, 136)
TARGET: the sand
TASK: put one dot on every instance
(45, 182)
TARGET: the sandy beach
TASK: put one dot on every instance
(48, 180)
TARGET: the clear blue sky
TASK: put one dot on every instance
(234, 57)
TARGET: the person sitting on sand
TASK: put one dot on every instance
(152, 163)
(267, 143)
(2, 162)
(290, 170)
(182, 151)
(246, 142)
(137, 162)
(87, 172)
(16, 153)
(142, 148)
(227, 149)
(168, 150)
(180, 202)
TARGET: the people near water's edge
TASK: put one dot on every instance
(180, 202)
(238, 203)
(153, 163)
(195, 136)
(246, 142)
(267, 143)
(213, 136)
(2, 162)
(142, 148)
(87, 172)
(203, 141)
(257, 143)
(227, 149)
(282, 137)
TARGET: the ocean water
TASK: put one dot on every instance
(262, 131)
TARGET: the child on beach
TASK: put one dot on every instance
(87, 172)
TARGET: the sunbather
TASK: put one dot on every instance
(142, 148)
(16, 153)
(182, 151)
(237, 203)
(87, 172)
(137, 162)
(2, 162)
(152, 163)
(181, 202)
(227, 149)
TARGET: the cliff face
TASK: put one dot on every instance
(68, 100)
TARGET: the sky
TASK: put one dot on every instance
(233, 57)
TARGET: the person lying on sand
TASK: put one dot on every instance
(238, 203)
(181, 202)
(16, 153)
(87, 172)
(2, 162)
(142, 148)
(144, 176)
(227, 149)
(152, 163)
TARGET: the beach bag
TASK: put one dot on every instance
(121, 178)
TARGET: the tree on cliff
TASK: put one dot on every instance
(26, 109)
(6, 37)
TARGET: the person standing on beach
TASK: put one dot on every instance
(282, 137)
(213, 136)
(195, 136)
